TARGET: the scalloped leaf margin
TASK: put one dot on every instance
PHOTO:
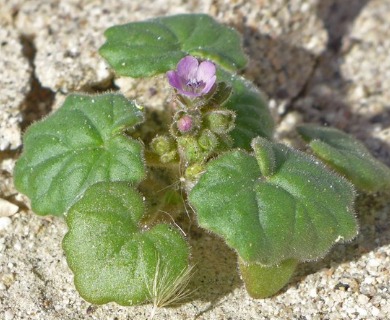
(297, 212)
(112, 257)
(147, 48)
(78, 145)
(348, 156)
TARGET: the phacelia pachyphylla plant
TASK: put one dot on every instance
(273, 205)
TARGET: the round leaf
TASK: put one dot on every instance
(348, 156)
(80, 144)
(113, 259)
(298, 212)
(146, 48)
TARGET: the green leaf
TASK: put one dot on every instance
(265, 156)
(348, 156)
(147, 48)
(253, 117)
(80, 144)
(298, 212)
(263, 282)
(113, 257)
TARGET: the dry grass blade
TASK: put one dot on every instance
(167, 289)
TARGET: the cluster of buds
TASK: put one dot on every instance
(201, 126)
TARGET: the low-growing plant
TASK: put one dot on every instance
(273, 205)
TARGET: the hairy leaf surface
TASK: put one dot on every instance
(78, 145)
(298, 212)
(348, 156)
(112, 256)
(147, 48)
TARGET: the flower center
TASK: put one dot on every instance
(195, 86)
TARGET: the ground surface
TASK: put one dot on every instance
(323, 61)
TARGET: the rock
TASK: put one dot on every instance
(68, 34)
(7, 208)
(5, 222)
(367, 65)
(283, 40)
(369, 43)
(14, 85)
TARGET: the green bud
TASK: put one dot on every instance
(193, 172)
(190, 150)
(165, 147)
(163, 144)
(192, 175)
(220, 121)
(169, 156)
(208, 140)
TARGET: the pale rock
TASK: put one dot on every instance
(8, 315)
(14, 85)
(7, 208)
(68, 35)
(5, 222)
(362, 299)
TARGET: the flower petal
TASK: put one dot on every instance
(205, 72)
(187, 67)
(174, 79)
(209, 85)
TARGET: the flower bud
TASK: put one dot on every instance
(185, 123)
(193, 172)
(192, 175)
(163, 144)
(208, 140)
(169, 156)
(190, 150)
(165, 147)
(220, 121)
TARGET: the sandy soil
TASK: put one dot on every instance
(323, 61)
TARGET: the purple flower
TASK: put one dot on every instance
(191, 78)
